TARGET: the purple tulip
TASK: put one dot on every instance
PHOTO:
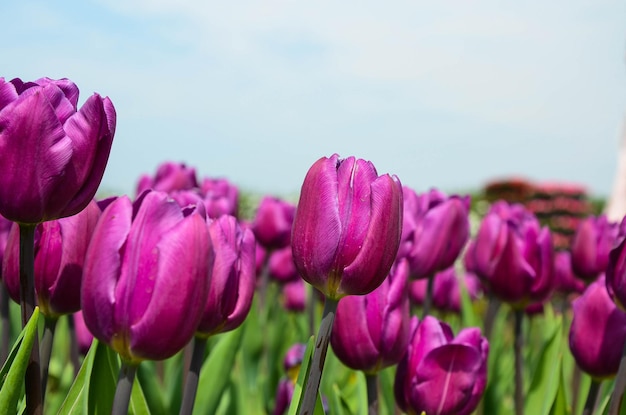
(294, 295)
(84, 338)
(616, 274)
(146, 276)
(435, 230)
(53, 156)
(441, 374)
(233, 278)
(169, 177)
(273, 223)
(291, 363)
(220, 197)
(565, 281)
(446, 290)
(598, 331)
(371, 332)
(60, 249)
(513, 255)
(5, 229)
(281, 267)
(593, 240)
(347, 227)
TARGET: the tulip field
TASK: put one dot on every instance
(358, 296)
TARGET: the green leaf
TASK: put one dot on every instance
(215, 372)
(468, 315)
(13, 376)
(75, 402)
(546, 379)
(138, 404)
(387, 399)
(560, 406)
(303, 376)
(147, 376)
(102, 381)
(336, 406)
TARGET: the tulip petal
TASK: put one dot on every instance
(8, 93)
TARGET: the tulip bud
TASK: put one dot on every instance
(233, 277)
(169, 177)
(53, 155)
(146, 276)
(371, 331)
(513, 255)
(616, 274)
(84, 338)
(273, 223)
(439, 373)
(598, 332)
(294, 295)
(593, 240)
(60, 249)
(347, 226)
(446, 290)
(281, 267)
(565, 281)
(435, 230)
(220, 197)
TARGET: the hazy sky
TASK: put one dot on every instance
(442, 93)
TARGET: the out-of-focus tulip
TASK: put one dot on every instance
(281, 267)
(513, 255)
(233, 277)
(441, 374)
(169, 177)
(53, 156)
(616, 274)
(347, 227)
(598, 331)
(593, 240)
(291, 363)
(273, 223)
(564, 280)
(435, 230)
(60, 249)
(146, 276)
(221, 197)
(294, 295)
(84, 338)
(446, 290)
(260, 258)
(5, 229)
(371, 332)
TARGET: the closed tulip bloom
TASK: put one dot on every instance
(5, 229)
(513, 255)
(446, 290)
(84, 338)
(371, 331)
(616, 274)
(281, 267)
(598, 332)
(60, 249)
(441, 374)
(221, 197)
(273, 223)
(347, 227)
(169, 177)
(435, 230)
(146, 276)
(52, 156)
(565, 281)
(233, 278)
(593, 240)
(294, 295)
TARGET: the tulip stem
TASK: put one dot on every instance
(191, 384)
(620, 385)
(124, 388)
(372, 393)
(519, 363)
(27, 299)
(46, 350)
(73, 344)
(592, 396)
(5, 321)
(312, 386)
(428, 298)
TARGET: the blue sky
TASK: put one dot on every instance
(442, 93)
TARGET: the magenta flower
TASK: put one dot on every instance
(616, 274)
(435, 230)
(146, 276)
(564, 279)
(169, 177)
(371, 332)
(441, 374)
(347, 227)
(60, 249)
(446, 290)
(593, 240)
(233, 277)
(598, 332)
(52, 155)
(281, 266)
(294, 295)
(513, 255)
(273, 223)
(84, 338)
(221, 197)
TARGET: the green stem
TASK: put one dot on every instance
(519, 363)
(32, 378)
(5, 321)
(123, 389)
(191, 384)
(73, 344)
(312, 386)
(620, 385)
(490, 317)
(428, 298)
(371, 380)
(592, 396)
(46, 350)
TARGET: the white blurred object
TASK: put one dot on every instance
(616, 206)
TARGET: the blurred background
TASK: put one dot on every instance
(446, 94)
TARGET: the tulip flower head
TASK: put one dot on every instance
(273, 223)
(220, 197)
(169, 177)
(52, 156)
(446, 290)
(146, 276)
(347, 227)
(616, 274)
(441, 374)
(593, 240)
